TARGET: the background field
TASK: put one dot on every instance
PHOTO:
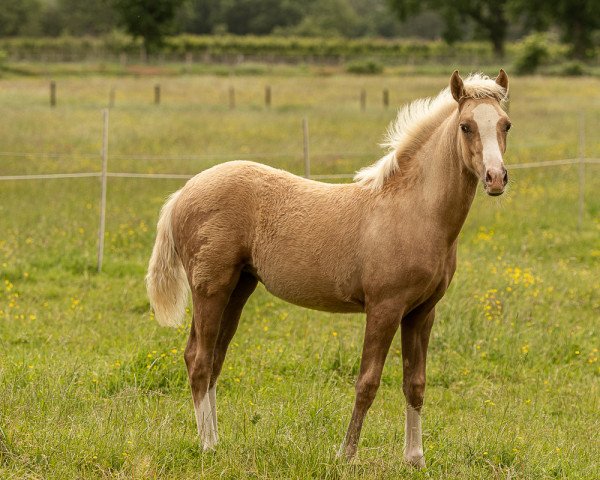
(91, 387)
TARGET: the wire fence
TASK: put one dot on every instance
(104, 174)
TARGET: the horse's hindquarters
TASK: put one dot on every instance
(298, 237)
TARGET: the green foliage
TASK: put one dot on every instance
(293, 49)
(18, 17)
(367, 67)
(573, 69)
(149, 19)
(259, 17)
(533, 52)
(92, 17)
(578, 20)
(220, 51)
(328, 18)
(322, 18)
(488, 16)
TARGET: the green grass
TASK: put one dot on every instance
(92, 387)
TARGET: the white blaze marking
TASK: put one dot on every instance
(487, 118)
(204, 420)
(413, 440)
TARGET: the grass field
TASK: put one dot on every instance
(92, 387)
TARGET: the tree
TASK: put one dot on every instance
(577, 20)
(326, 18)
(489, 17)
(92, 17)
(18, 17)
(149, 19)
(243, 17)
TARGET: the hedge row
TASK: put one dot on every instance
(277, 48)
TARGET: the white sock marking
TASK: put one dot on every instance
(413, 440)
(206, 429)
(212, 396)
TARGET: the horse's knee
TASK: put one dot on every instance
(414, 391)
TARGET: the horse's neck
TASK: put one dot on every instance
(448, 188)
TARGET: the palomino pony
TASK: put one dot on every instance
(384, 245)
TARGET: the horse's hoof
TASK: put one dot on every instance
(347, 452)
(209, 445)
(416, 459)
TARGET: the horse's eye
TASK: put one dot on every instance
(507, 127)
(465, 128)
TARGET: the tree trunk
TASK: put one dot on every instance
(498, 45)
(580, 40)
(497, 26)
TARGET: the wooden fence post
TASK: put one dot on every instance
(268, 96)
(363, 100)
(231, 98)
(386, 98)
(305, 145)
(103, 194)
(111, 97)
(157, 94)
(53, 93)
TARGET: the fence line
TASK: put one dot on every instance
(332, 176)
(547, 163)
(149, 175)
(46, 176)
(208, 156)
(104, 174)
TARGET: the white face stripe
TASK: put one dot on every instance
(487, 118)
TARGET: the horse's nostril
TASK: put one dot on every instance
(505, 178)
(488, 177)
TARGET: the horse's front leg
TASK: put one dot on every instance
(416, 328)
(382, 323)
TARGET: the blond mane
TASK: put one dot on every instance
(412, 118)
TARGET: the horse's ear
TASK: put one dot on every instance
(502, 80)
(457, 87)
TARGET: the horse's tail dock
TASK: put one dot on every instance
(166, 281)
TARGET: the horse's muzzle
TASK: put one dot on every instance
(495, 181)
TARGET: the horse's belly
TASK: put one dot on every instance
(307, 287)
(308, 298)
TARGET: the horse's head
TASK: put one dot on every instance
(483, 125)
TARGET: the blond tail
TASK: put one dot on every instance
(166, 281)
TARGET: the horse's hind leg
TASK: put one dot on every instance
(199, 353)
(229, 323)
